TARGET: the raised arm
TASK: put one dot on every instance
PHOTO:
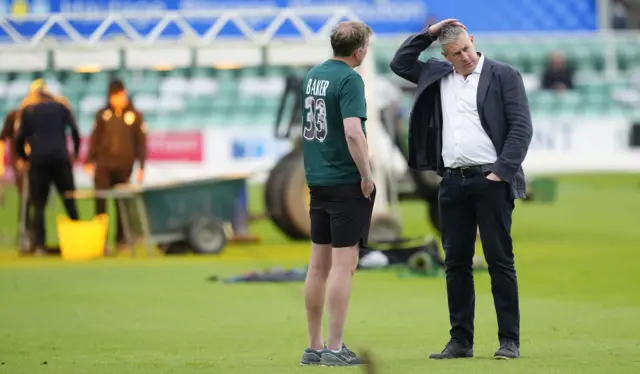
(520, 129)
(405, 63)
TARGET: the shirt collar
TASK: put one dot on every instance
(478, 69)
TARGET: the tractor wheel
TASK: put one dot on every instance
(286, 204)
(272, 198)
(297, 198)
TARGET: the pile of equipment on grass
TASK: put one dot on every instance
(409, 256)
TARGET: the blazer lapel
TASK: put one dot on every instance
(441, 71)
(483, 85)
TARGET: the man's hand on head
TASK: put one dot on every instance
(435, 28)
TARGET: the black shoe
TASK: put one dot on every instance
(508, 350)
(454, 349)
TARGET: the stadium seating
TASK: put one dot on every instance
(197, 97)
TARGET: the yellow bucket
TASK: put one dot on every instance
(82, 240)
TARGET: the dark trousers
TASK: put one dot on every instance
(466, 203)
(106, 178)
(41, 176)
(19, 176)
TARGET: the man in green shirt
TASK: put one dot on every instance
(337, 169)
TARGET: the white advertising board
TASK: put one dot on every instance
(576, 144)
(559, 145)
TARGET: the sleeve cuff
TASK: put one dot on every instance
(503, 170)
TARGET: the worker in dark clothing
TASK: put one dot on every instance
(44, 120)
(118, 140)
(8, 135)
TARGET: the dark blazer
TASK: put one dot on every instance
(503, 108)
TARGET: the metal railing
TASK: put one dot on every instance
(240, 18)
(244, 19)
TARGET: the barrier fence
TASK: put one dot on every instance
(559, 145)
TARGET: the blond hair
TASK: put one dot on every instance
(347, 37)
(38, 94)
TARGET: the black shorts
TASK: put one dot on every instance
(340, 215)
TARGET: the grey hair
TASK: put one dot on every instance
(450, 33)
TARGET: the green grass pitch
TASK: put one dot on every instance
(578, 263)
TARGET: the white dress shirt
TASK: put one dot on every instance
(464, 141)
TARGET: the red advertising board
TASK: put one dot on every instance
(176, 146)
(169, 146)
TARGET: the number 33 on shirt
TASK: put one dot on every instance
(331, 92)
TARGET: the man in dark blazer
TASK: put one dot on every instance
(471, 124)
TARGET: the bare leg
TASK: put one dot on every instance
(344, 263)
(314, 289)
